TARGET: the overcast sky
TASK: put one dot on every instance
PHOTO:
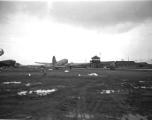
(77, 30)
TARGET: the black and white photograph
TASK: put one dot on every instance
(76, 59)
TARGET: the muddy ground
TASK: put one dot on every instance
(74, 95)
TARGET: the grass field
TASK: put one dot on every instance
(75, 95)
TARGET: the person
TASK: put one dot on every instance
(44, 72)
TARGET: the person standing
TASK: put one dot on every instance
(44, 72)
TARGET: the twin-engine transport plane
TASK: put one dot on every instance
(6, 63)
(55, 64)
(60, 64)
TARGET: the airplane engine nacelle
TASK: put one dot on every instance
(1, 52)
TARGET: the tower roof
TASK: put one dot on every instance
(95, 57)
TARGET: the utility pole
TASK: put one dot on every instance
(149, 55)
(100, 56)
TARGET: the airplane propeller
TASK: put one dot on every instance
(1, 52)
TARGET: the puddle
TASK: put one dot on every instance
(29, 84)
(134, 117)
(143, 87)
(146, 87)
(108, 91)
(66, 71)
(93, 74)
(38, 92)
(85, 116)
(114, 91)
(12, 82)
(44, 92)
(105, 92)
(79, 115)
(22, 93)
(141, 81)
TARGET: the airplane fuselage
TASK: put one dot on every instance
(7, 63)
(62, 62)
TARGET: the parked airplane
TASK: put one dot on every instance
(78, 65)
(7, 63)
(55, 64)
(62, 63)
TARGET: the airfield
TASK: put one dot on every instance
(78, 94)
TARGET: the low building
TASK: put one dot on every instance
(96, 63)
(107, 64)
(142, 65)
(150, 66)
(125, 64)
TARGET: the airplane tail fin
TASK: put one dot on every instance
(54, 61)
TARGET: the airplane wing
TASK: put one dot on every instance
(73, 64)
(60, 66)
(78, 64)
(43, 63)
(50, 65)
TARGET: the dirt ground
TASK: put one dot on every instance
(75, 95)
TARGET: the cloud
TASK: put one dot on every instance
(121, 15)
(79, 29)
(10, 8)
(98, 14)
